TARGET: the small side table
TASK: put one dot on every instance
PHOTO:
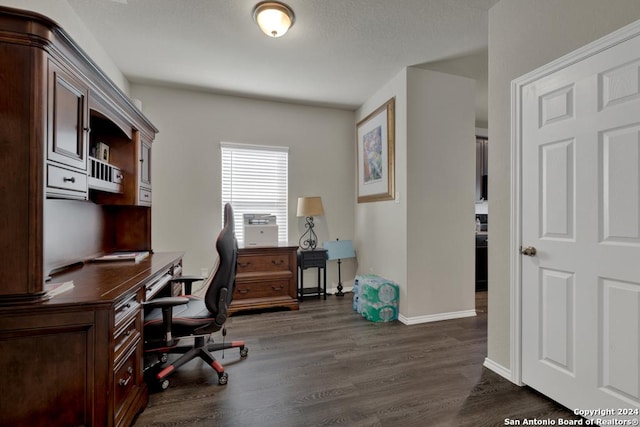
(316, 258)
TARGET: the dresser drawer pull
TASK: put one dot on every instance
(277, 288)
(65, 179)
(277, 262)
(243, 291)
(128, 333)
(124, 382)
(244, 264)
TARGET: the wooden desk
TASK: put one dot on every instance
(266, 277)
(77, 359)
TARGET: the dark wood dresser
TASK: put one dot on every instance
(266, 278)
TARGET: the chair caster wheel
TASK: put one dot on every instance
(244, 352)
(223, 379)
(163, 384)
(163, 358)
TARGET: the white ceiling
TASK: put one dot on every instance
(338, 53)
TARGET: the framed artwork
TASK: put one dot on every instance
(376, 154)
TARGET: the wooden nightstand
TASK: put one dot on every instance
(316, 258)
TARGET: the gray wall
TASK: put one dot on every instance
(186, 166)
(524, 35)
(63, 14)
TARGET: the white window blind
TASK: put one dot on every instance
(255, 180)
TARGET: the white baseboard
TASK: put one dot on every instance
(345, 289)
(499, 369)
(436, 317)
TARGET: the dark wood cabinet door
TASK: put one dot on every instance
(145, 164)
(49, 368)
(67, 118)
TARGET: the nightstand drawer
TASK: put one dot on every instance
(307, 259)
(271, 262)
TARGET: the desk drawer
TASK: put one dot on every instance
(261, 289)
(125, 309)
(145, 197)
(65, 179)
(126, 378)
(125, 336)
(270, 262)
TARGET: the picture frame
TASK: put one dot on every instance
(375, 154)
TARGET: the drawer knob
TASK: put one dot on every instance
(244, 264)
(243, 291)
(126, 334)
(65, 179)
(276, 288)
(277, 261)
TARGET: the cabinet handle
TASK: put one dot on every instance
(277, 262)
(124, 382)
(126, 334)
(244, 264)
(243, 291)
(120, 176)
(276, 288)
(72, 179)
(87, 129)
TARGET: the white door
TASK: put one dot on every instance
(580, 177)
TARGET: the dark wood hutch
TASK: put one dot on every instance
(75, 155)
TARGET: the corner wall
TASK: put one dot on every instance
(424, 240)
(440, 195)
(524, 35)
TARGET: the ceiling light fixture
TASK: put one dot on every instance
(273, 18)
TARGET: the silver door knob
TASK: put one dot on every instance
(529, 251)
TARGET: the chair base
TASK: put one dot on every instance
(157, 376)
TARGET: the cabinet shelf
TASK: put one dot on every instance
(104, 176)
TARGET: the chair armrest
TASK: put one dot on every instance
(166, 302)
(188, 282)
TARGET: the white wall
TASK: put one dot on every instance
(186, 166)
(440, 194)
(524, 35)
(381, 227)
(424, 239)
(63, 14)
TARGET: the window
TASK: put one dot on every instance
(255, 180)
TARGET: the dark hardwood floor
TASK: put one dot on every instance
(326, 365)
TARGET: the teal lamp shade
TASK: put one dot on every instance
(339, 249)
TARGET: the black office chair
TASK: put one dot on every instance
(168, 321)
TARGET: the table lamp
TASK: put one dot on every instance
(339, 249)
(309, 207)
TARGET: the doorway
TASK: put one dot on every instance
(576, 195)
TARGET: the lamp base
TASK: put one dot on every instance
(339, 293)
